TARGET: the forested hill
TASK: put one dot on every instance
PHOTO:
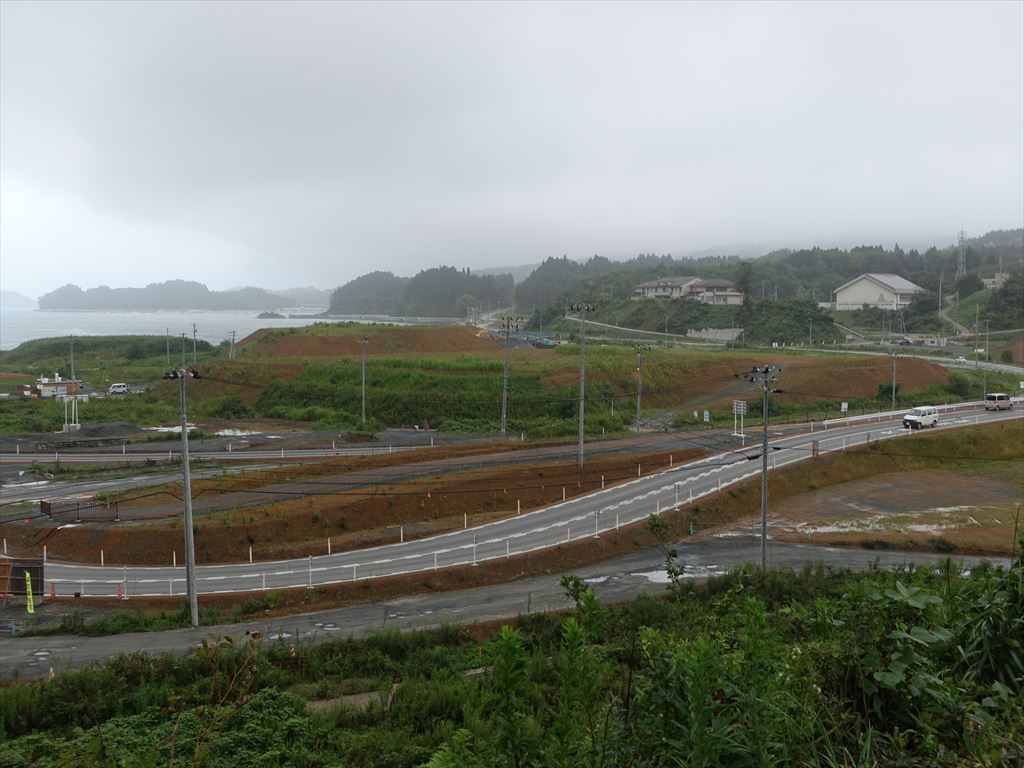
(786, 274)
(436, 292)
(173, 294)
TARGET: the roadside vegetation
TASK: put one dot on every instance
(916, 667)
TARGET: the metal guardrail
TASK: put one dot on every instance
(891, 415)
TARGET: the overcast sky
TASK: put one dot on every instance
(305, 144)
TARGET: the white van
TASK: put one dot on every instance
(923, 416)
(119, 389)
(998, 401)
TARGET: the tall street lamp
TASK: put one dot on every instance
(640, 348)
(362, 358)
(190, 548)
(508, 325)
(764, 376)
(582, 309)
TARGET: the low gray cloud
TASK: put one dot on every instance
(293, 143)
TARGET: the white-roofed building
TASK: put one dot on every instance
(875, 290)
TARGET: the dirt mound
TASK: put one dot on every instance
(808, 380)
(338, 341)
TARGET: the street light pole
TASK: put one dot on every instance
(362, 359)
(193, 345)
(190, 550)
(764, 376)
(507, 325)
(582, 309)
(984, 375)
(639, 379)
(894, 356)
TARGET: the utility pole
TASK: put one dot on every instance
(183, 350)
(894, 356)
(961, 264)
(582, 309)
(508, 324)
(984, 375)
(167, 338)
(764, 376)
(362, 357)
(942, 318)
(190, 548)
(639, 379)
(193, 345)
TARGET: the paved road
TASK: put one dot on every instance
(614, 581)
(708, 440)
(571, 520)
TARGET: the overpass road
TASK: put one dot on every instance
(579, 518)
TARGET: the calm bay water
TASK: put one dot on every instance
(19, 325)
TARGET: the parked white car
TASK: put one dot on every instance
(120, 389)
(923, 416)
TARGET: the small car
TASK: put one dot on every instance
(998, 401)
(923, 416)
(119, 389)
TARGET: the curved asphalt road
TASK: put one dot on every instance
(571, 520)
(616, 580)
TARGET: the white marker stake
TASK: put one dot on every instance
(174, 558)
(518, 510)
(506, 548)
(250, 553)
(328, 545)
(310, 583)
(563, 493)
(401, 534)
(101, 559)
(465, 520)
(602, 481)
(435, 562)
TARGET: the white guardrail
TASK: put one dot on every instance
(890, 415)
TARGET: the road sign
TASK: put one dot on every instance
(739, 407)
(845, 407)
(707, 416)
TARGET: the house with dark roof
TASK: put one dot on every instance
(708, 291)
(875, 289)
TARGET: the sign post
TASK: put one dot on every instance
(739, 408)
